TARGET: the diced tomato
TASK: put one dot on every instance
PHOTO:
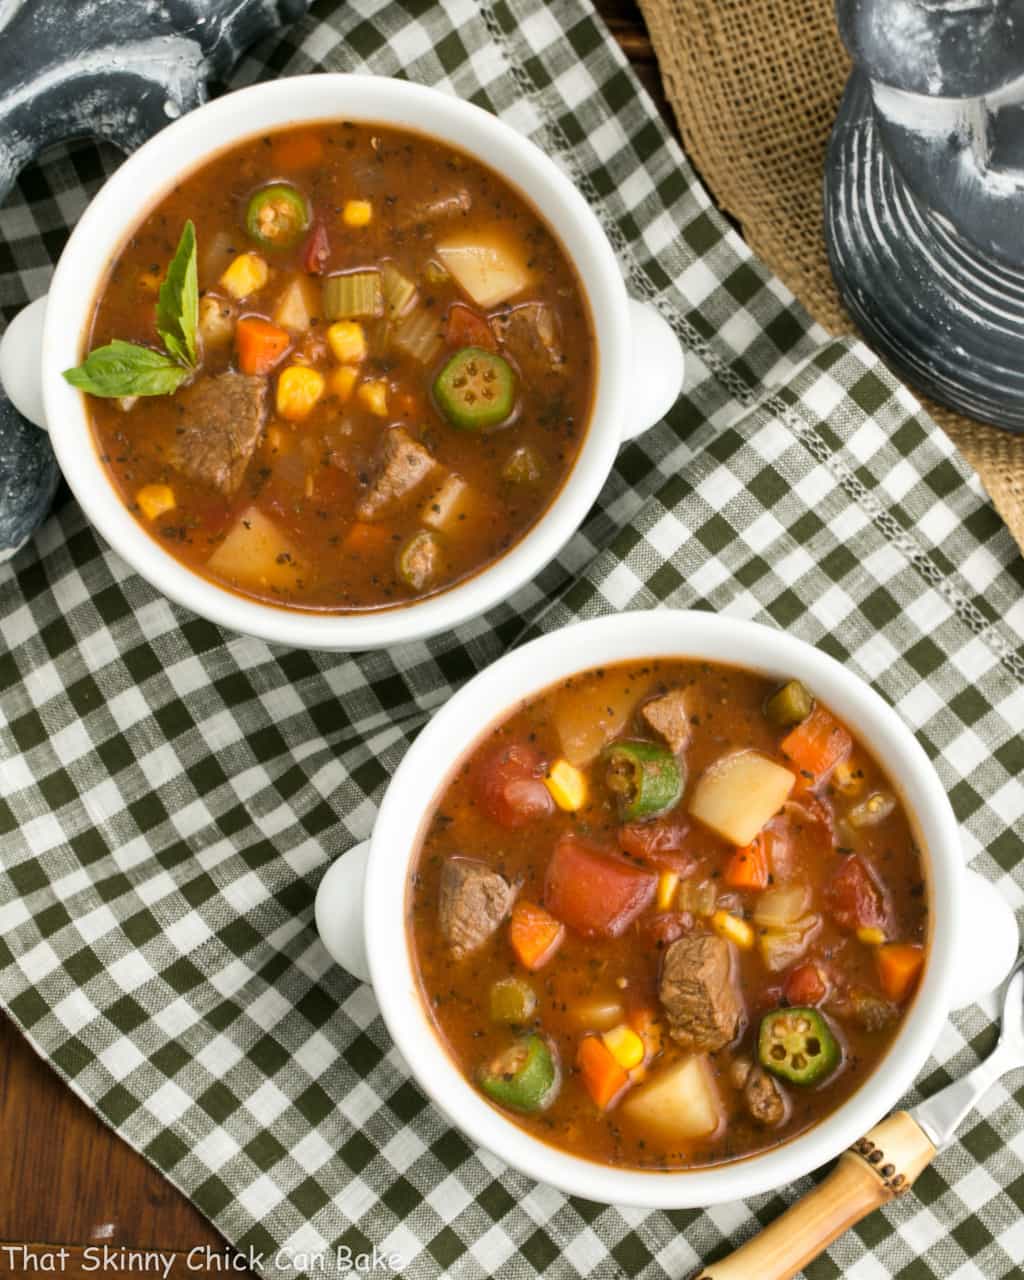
(594, 891)
(658, 843)
(854, 898)
(465, 327)
(511, 788)
(667, 926)
(317, 250)
(805, 984)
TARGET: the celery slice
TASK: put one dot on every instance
(359, 293)
(399, 290)
(419, 336)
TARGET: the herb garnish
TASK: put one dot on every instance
(126, 369)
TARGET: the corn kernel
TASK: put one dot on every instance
(357, 213)
(374, 396)
(733, 929)
(347, 341)
(247, 274)
(155, 499)
(625, 1046)
(668, 882)
(567, 785)
(342, 382)
(847, 778)
(871, 935)
(298, 390)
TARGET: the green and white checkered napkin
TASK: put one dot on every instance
(171, 795)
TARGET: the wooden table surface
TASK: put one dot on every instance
(68, 1186)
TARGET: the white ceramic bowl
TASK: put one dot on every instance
(365, 929)
(639, 365)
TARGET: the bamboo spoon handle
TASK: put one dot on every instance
(872, 1172)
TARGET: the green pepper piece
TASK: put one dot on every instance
(277, 215)
(789, 705)
(524, 1077)
(476, 389)
(512, 1001)
(797, 1045)
(645, 777)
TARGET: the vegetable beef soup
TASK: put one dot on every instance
(340, 368)
(668, 914)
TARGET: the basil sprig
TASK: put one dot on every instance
(123, 369)
(177, 305)
(127, 369)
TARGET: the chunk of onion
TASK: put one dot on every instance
(778, 908)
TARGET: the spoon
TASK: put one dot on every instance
(880, 1166)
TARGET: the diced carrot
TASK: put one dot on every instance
(748, 867)
(465, 327)
(899, 964)
(534, 934)
(297, 151)
(816, 746)
(259, 344)
(366, 538)
(602, 1076)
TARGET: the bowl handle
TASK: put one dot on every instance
(989, 943)
(339, 911)
(656, 369)
(21, 369)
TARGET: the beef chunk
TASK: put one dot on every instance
(698, 990)
(764, 1098)
(669, 718)
(422, 212)
(402, 466)
(474, 902)
(221, 422)
(529, 334)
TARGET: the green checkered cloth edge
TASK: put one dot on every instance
(170, 795)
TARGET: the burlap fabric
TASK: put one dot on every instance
(755, 85)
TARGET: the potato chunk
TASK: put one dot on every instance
(453, 504)
(589, 717)
(255, 553)
(739, 793)
(297, 304)
(485, 264)
(679, 1103)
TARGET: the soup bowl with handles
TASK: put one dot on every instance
(361, 907)
(639, 365)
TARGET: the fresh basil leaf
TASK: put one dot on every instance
(177, 306)
(123, 369)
